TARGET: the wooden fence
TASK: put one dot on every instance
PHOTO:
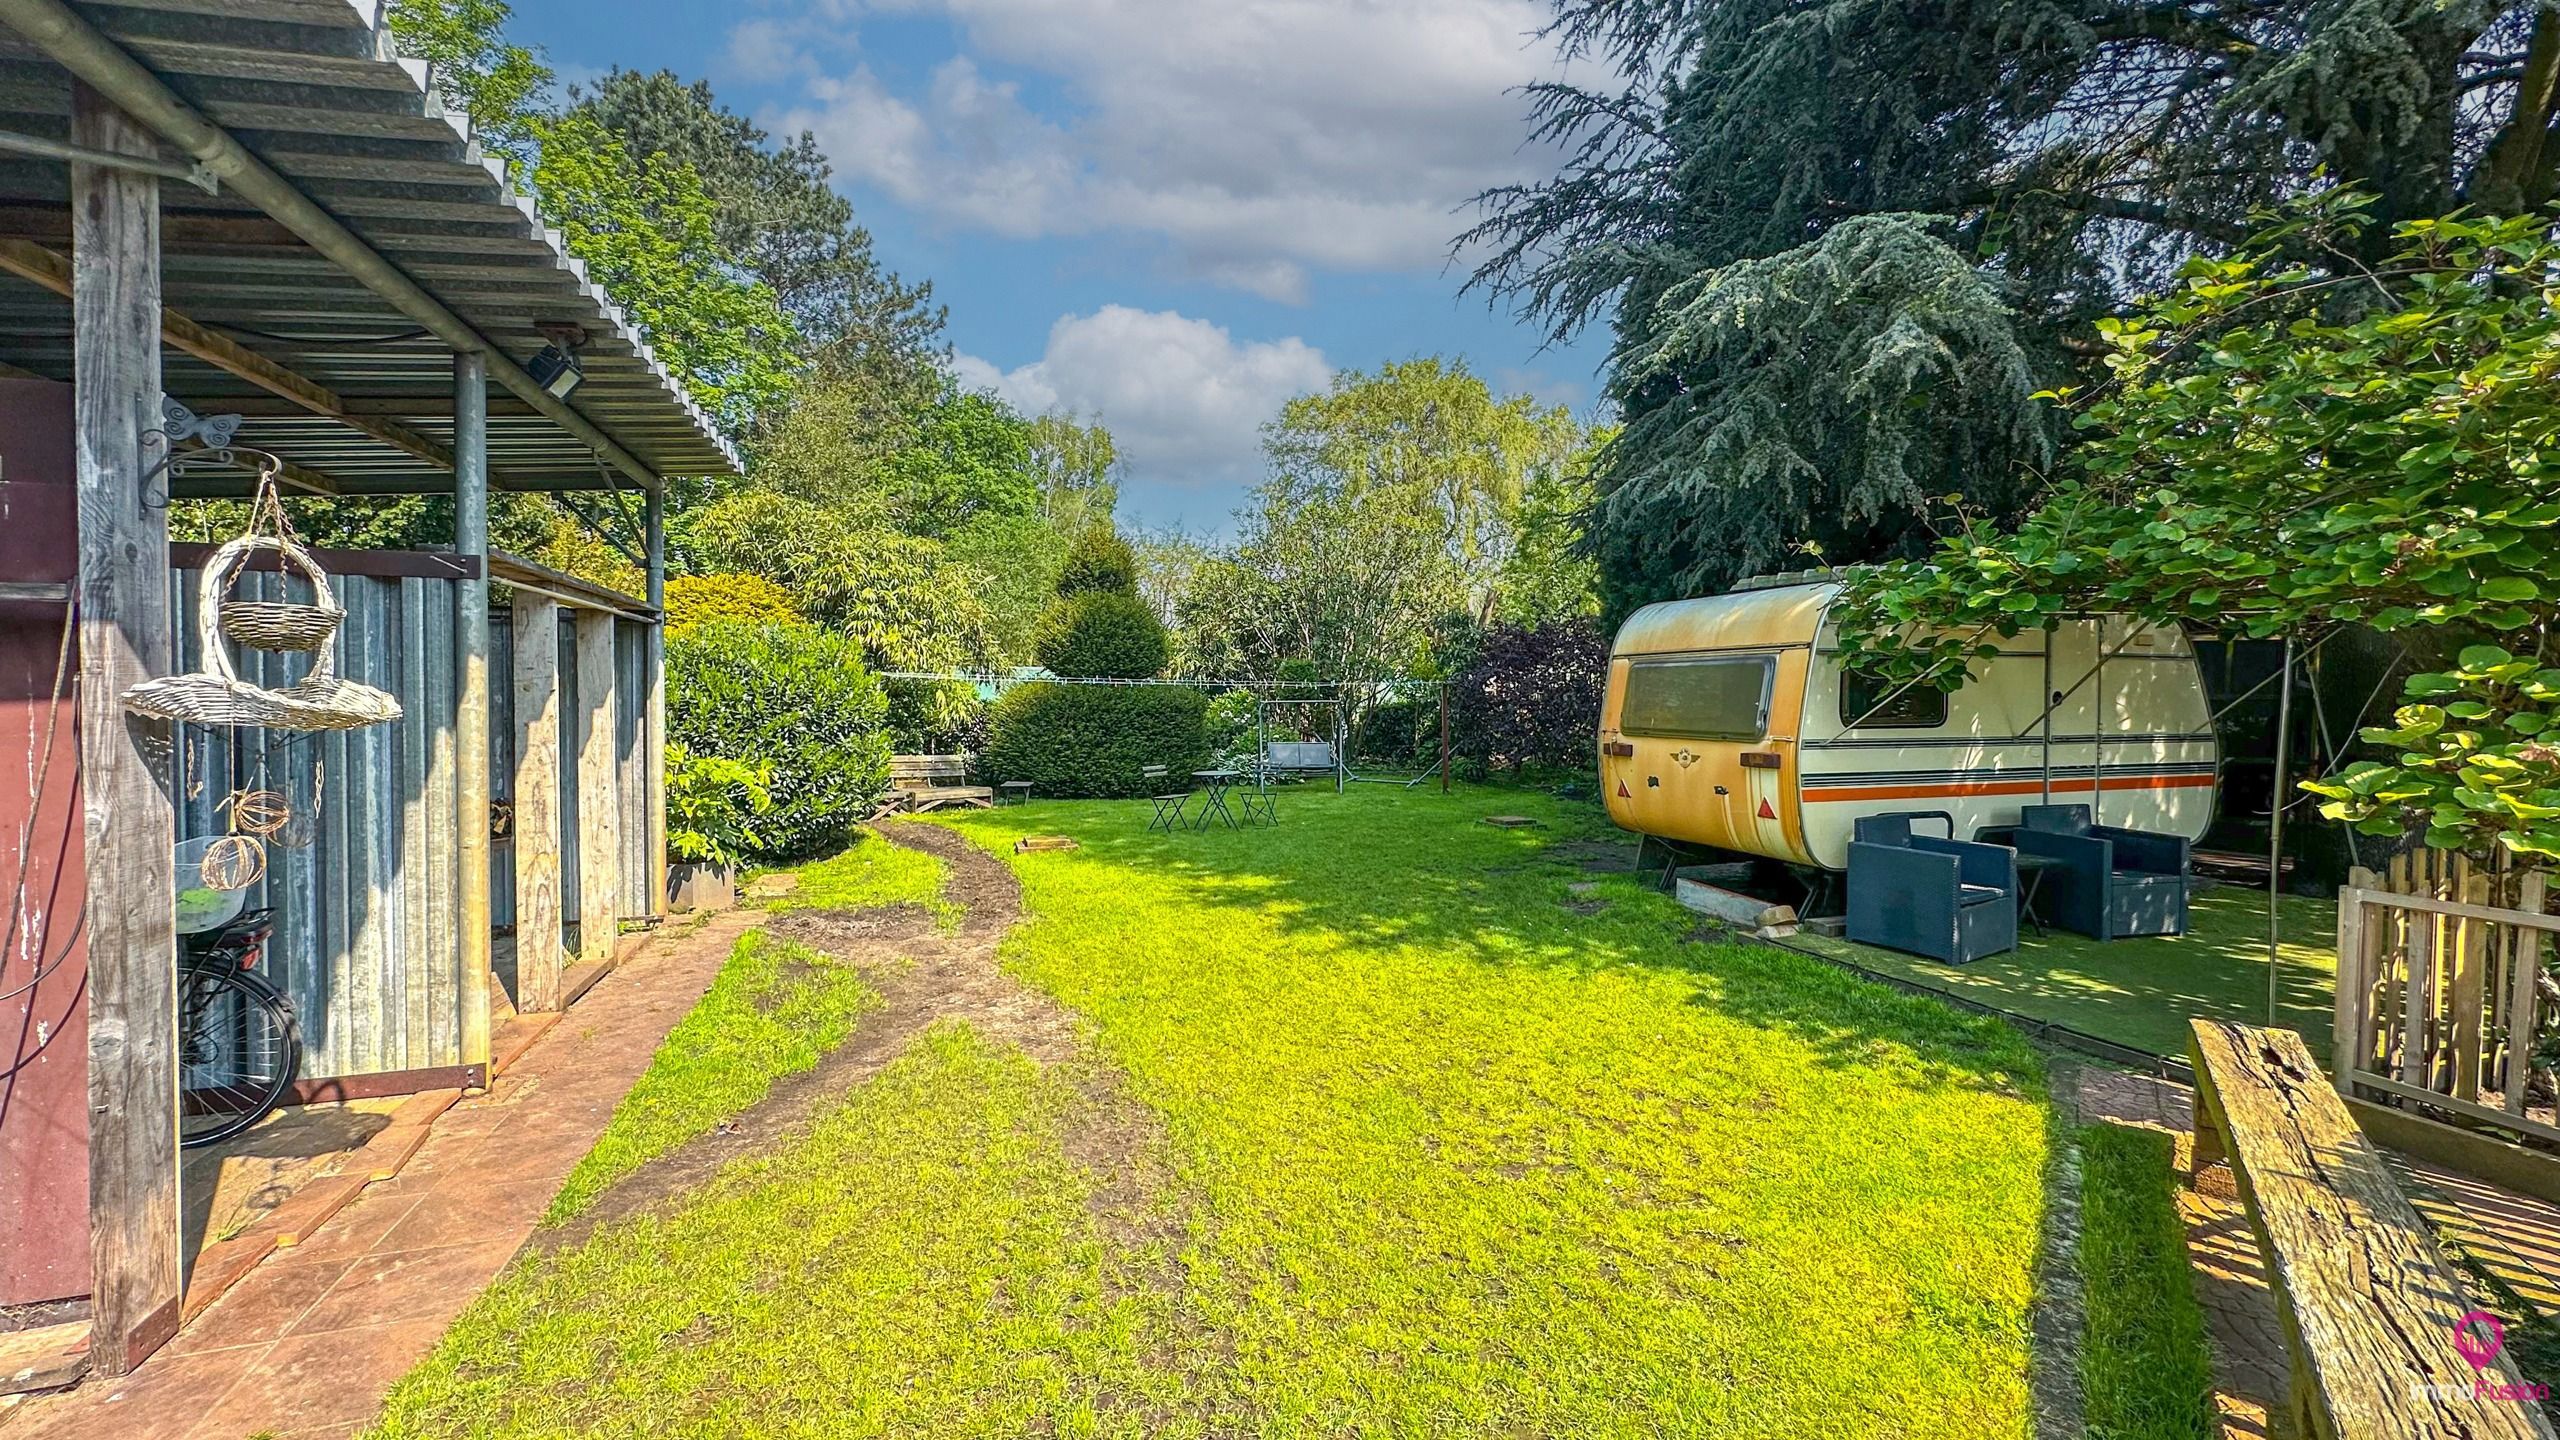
(2439, 988)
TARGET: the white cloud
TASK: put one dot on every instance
(1260, 138)
(1183, 399)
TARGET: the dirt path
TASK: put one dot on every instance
(924, 976)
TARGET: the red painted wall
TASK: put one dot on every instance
(44, 1008)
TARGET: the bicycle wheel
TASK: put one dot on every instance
(239, 1049)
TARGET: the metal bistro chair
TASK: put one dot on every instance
(2113, 883)
(1169, 815)
(1257, 802)
(1951, 900)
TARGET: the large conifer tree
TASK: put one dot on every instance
(1843, 242)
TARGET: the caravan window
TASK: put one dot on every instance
(1726, 698)
(1916, 707)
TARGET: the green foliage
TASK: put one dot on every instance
(1910, 384)
(776, 210)
(1014, 562)
(1549, 575)
(726, 595)
(1078, 467)
(475, 67)
(795, 700)
(1099, 560)
(2145, 1371)
(970, 457)
(1102, 634)
(1094, 740)
(714, 805)
(648, 232)
(898, 596)
(2079, 153)
(2476, 760)
(2284, 449)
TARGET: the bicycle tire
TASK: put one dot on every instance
(239, 1052)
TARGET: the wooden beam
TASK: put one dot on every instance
(179, 229)
(599, 792)
(471, 702)
(539, 954)
(49, 269)
(130, 822)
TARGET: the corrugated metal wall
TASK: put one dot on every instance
(367, 942)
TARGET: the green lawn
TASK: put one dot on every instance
(2143, 992)
(1379, 1137)
(774, 1009)
(2145, 1372)
(871, 871)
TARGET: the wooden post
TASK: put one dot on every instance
(471, 698)
(654, 672)
(2347, 1043)
(2524, 1002)
(124, 638)
(599, 792)
(537, 791)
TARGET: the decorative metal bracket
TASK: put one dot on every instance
(214, 433)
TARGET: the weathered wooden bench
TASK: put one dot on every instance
(2369, 1306)
(929, 782)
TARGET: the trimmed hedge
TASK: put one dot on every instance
(1093, 740)
(797, 698)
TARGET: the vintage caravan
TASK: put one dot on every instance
(1728, 723)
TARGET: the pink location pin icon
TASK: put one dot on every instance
(2479, 1337)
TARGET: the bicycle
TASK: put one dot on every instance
(239, 1045)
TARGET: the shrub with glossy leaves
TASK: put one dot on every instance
(792, 697)
(1095, 740)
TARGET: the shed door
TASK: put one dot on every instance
(44, 1057)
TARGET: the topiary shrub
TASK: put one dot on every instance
(1094, 740)
(1099, 561)
(727, 595)
(796, 698)
(1103, 634)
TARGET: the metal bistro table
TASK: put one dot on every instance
(1214, 784)
(2031, 873)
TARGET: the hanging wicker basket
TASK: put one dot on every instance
(277, 624)
(216, 695)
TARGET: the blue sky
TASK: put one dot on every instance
(1167, 214)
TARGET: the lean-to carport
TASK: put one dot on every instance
(258, 208)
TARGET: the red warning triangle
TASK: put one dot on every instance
(1623, 793)
(1766, 813)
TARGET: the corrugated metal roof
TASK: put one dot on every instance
(318, 90)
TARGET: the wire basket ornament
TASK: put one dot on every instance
(234, 862)
(216, 695)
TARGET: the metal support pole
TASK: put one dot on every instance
(2275, 822)
(654, 540)
(2047, 703)
(2100, 712)
(471, 698)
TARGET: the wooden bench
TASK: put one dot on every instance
(2368, 1304)
(929, 782)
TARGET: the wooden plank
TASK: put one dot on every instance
(537, 841)
(32, 262)
(2417, 999)
(599, 793)
(2469, 987)
(2350, 1048)
(2468, 1109)
(2523, 1004)
(2429, 905)
(653, 789)
(470, 913)
(2368, 1303)
(130, 821)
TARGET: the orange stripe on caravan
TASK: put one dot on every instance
(2004, 787)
